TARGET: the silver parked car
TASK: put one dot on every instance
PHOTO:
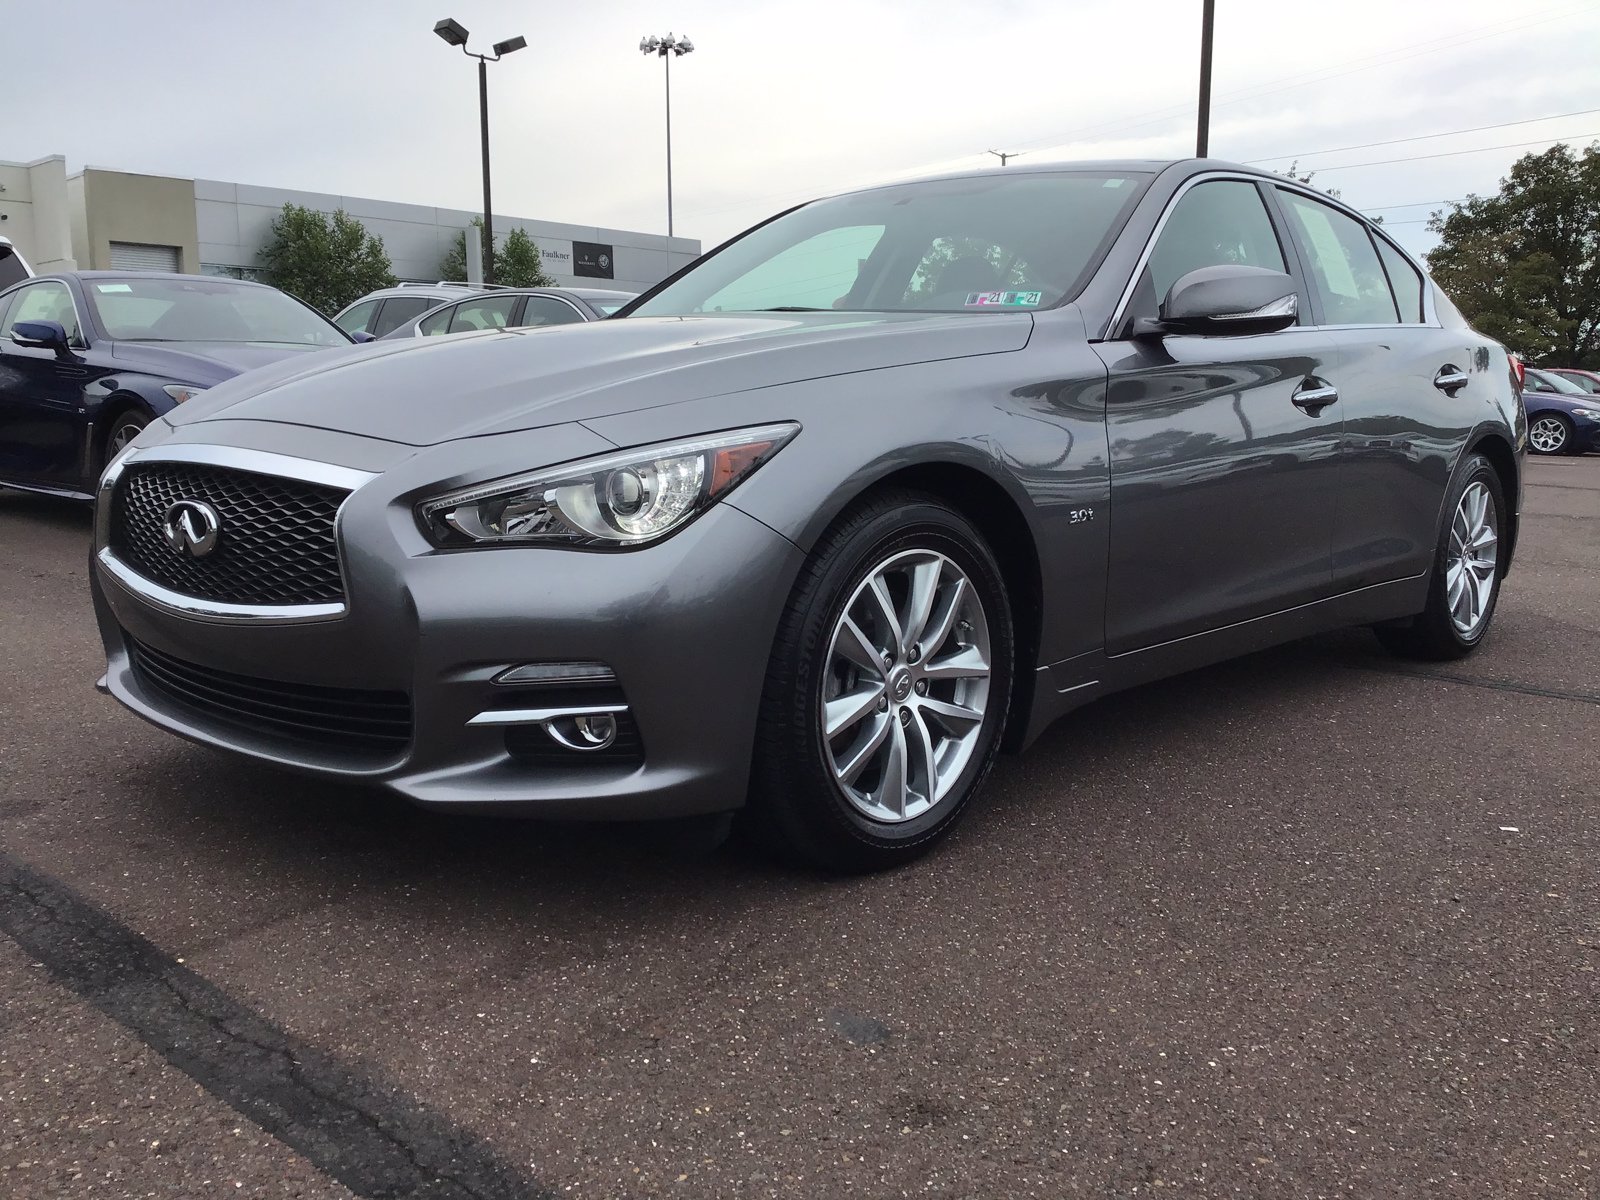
(514, 308)
(813, 528)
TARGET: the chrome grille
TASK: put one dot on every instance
(277, 544)
(373, 723)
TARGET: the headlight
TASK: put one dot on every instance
(624, 499)
(1592, 414)
(182, 391)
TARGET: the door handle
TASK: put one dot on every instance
(1450, 379)
(1314, 395)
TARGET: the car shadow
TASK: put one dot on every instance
(46, 512)
(236, 814)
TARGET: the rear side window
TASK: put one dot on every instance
(356, 320)
(545, 310)
(436, 323)
(1405, 281)
(489, 312)
(1345, 273)
(12, 268)
(397, 310)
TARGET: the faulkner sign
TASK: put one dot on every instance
(593, 260)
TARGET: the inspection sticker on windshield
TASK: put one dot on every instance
(113, 287)
(1004, 299)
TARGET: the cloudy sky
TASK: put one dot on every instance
(785, 99)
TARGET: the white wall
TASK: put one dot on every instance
(235, 219)
(37, 216)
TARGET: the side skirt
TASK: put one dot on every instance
(1059, 688)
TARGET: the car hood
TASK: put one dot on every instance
(430, 390)
(205, 362)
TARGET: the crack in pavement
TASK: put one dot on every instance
(1493, 685)
(376, 1140)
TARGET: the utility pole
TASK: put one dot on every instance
(453, 33)
(1202, 142)
(1003, 155)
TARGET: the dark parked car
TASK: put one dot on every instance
(813, 528)
(1589, 381)
(1563, 418)
(517, 308)
(89, 358)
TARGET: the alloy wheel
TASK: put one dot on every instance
(1470, 567)
(122, 435)
(1547, 435)
(906, 686)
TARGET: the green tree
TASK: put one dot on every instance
(1523, 265)
(517, 262)
(327, 261)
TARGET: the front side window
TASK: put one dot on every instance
(358, 318)
(1345, 273)
(997, 242)
(46, 302)
(156, 309)
(1216, 223)
(486, 312)
(546, 310)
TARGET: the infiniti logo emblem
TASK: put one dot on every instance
(192, 528)
(900, 684)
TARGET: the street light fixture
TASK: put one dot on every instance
(668, 48)
(453, 33)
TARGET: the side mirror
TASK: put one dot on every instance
(361, 337)
(42, 335)
(1226, 300)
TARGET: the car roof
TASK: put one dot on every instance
(127, 275)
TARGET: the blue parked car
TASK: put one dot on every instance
(1563, 418)
(89, 358)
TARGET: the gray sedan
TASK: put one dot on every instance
(514, 309)
(815, 528)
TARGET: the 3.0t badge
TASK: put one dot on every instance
(192, 528)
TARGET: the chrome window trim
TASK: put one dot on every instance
(1119, 313)
(261, 462)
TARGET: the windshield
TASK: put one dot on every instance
(163, 309)
(991, 243)
(606, 307)
(1557, 384)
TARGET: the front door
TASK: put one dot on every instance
(1223, 487)
(41, 396)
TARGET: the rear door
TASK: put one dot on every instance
(1223, 489)
(1406, 418)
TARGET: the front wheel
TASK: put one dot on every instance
(1549, 434)
(127, 426)
(1466, 573)
(887, 691)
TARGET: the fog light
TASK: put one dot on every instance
(590, 731)
(557, 672)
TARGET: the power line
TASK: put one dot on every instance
(1384, 162)
(1421, 137)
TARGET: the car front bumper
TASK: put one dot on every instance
(685, 625)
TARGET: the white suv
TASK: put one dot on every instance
(13, 267)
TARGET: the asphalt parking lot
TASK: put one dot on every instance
(1315, 923)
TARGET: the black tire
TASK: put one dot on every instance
(1558, 422)
(797, 809)
(123, 428)
(1432, 634)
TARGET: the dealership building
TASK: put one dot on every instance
(99, 219)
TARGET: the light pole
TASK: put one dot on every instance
(455, 34)
(668, 48)
(1005, 155)
(1202, 141)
